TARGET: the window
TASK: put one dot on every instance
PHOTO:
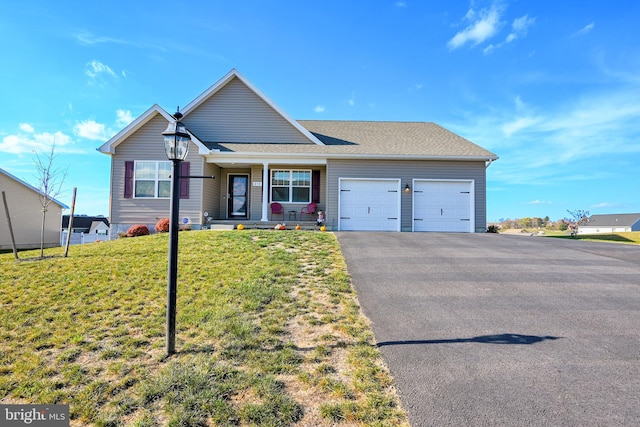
(291, 186)
(152, 179)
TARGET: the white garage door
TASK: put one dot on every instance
(369, 204)
(443, 206)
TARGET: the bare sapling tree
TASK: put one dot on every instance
(50, 180)
(578, 218)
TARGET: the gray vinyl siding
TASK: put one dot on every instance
(25, 209)
(147, 144)
(237, 114)
(406, 171)
(255, 194)
(211, 190)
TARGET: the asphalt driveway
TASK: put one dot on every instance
(488, 330)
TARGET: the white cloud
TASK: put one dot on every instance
(319, 109)
(551, 145)
(487, 50)
(400, 4)
(22, 143)
(519, 28)
(96, 68)
(584, 30)
(484, 24)
(603, 205)
(89, 38)
(519, 124)
(124, 117)
(26, 127)
(28, 140)
(91, 129)
(539, 202)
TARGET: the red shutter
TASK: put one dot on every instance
(184, 182)
(315, 186)
(128, 179)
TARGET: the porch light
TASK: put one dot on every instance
(407, 189)
(176, 144)
(176, 139)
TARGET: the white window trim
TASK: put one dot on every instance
(291, 186)
(156, 180)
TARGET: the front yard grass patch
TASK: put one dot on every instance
(631, 237)
(269, 333)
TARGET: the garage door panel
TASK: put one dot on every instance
(442, 206)
(369, 205)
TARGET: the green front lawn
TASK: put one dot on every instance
(632, 237)
(269, 332)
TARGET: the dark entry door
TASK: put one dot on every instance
(238, 196)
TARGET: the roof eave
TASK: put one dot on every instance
(32, 188)
(249, 154)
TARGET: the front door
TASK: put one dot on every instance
(238, 196)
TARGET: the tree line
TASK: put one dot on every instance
(575, 218)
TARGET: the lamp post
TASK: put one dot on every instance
(176, 145)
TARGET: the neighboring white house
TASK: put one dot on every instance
(363, 175)
(25, 211)
(614, 223)
(86, 229)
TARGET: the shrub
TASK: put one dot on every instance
(162, 226)
(493, 228)
(138, 230)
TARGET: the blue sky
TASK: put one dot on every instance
(551, 87)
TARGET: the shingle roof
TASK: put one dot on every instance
(367, 138)
(611, 220)
(83, 222)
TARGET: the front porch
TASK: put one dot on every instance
(246, 192)
(262, 225)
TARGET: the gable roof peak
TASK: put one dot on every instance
(235, 74)
(109, 146)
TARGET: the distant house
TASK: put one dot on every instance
(614, 223)
(86, 229)
(364, 175)
(25, 209)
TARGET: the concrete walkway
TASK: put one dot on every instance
(493, 330)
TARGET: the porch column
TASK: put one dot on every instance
(265, 192)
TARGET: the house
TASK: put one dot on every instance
(613, 223)
(86, 229)
(25, 209)
(364, 175)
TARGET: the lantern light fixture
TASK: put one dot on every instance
(176, 139)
